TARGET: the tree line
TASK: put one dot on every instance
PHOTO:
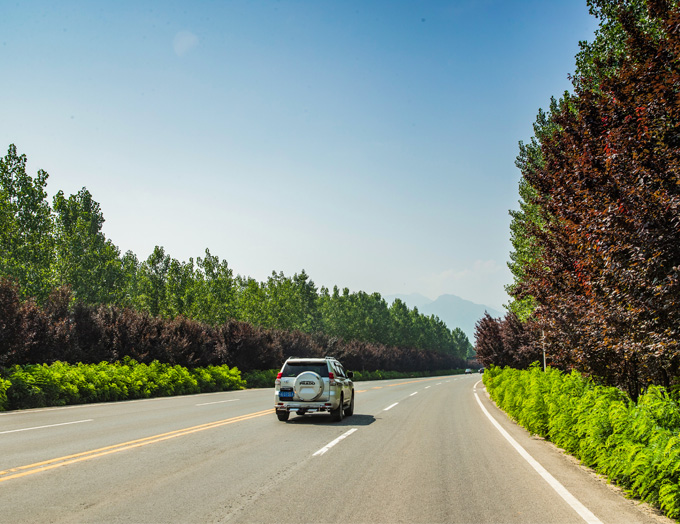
(46, 247)
(67, 331)
(596, 239)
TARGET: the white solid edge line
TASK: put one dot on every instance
(43, 427)
(390, 407)
(331, 444)
(577, 506)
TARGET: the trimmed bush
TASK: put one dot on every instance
(260, 379)
(637, 445)
(4, 386)
(58, 384)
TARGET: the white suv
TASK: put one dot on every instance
(308, 385)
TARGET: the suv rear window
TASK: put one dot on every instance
(293, 369)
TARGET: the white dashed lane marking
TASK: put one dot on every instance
(336, 441)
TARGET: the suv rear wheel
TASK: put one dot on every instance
(338, 413)
(283, 415)
(349, 411)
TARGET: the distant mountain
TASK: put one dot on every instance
(453, 310)
(412, 300)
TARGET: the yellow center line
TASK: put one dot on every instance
(46, 465)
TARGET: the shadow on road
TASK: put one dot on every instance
(323, 419)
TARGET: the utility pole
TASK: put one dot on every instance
(543, 344)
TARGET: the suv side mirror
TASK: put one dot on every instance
(350, 374)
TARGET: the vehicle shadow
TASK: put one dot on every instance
(323, 419)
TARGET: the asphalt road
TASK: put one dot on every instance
(421, 451)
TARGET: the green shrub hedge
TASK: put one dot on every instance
(4, 386)
(636, 445)
(260, 379)
(59, 384)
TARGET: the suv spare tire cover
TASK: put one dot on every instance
(308, 385)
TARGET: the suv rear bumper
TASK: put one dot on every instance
(309, 407)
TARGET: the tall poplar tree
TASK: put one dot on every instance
(85, 259)
(26, 227)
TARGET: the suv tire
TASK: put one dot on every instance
(349, 411)
(283, 415)
(338, 413)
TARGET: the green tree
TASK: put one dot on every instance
(26, 227)
(403, 333)
(282, 312)
(463, 348)
(251, 300)
(603, 57)
(181, 289)
(528, 221)
(335, 312)
(215, 290)
(330, 311)
(307, 298)
(152, 279)
(129, 292)
(85, 260)
(374, 317)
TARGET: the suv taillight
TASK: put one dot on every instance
(278, 379)
(331, 378)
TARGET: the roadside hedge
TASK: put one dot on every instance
(636, 445)
(260, 379)
(59, 383)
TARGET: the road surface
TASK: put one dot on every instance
(415, 451)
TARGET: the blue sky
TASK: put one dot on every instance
(371, 143)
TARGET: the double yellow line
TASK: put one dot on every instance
(23, 471)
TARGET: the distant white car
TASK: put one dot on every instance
(468, 371)
(312, 385)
